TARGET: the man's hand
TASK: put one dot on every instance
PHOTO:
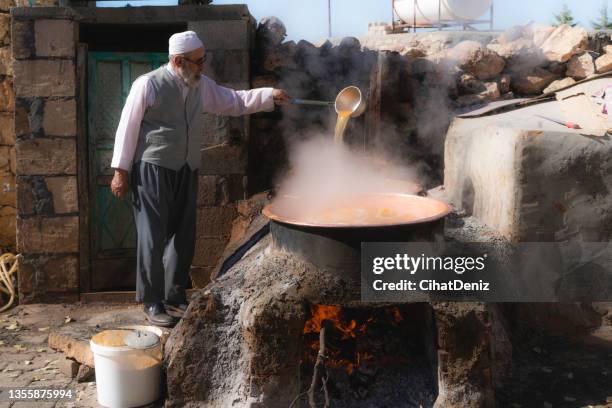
(120, 185)
(281, 97)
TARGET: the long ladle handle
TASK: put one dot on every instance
(310, 102)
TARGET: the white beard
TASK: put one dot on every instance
(188, 77)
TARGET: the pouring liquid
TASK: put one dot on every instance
(343, 118)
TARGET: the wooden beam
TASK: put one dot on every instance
(82, 169)
(117, 297)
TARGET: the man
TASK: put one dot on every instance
(159, 139)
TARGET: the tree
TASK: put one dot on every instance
(603, 23)
(564, 17)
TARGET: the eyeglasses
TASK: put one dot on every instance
(199, 62)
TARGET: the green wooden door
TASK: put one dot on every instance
(112, 229)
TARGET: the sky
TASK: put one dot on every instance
(308, 19)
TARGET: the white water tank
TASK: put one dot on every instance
(428, 11)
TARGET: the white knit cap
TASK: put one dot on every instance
(181, 43)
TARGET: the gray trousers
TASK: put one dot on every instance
(164, 204)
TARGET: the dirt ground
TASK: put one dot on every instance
(26, 360)
(548, 372)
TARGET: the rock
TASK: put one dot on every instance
(604, 63)
(350, 44)
(532, 82)
(391, 48)
(504, 83)
(68, 367)
(491, 92)
(71, 347)
(561, 83)
(565, 42)
(272, 30)
(469, 100)
(520, 54)
(468, 84)
(412, 52)
(608, 49)
(272, 60)
(557, 68)
(476, 59)
(540, 34)
(85, 374)
(581, 66)
(263, 81)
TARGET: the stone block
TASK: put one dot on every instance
(200, 275)
(220, 190)
(54, 38)
(47, 234)
(60, 118)
(44, 78)
(46, 156)
(7, 96)
(68, 367)
(7, 129)
(13, 161)
(7, 189)
(29, 113)
(5, 160)
(6, 61)
(215, 222)
(228, 65)
(5, 5)
(208, 251)
(5, 29)
(218, 129)
(223, 34)
(530, 185)
(71, 347)
(7, 226)
(207, 191)
(85, 374)
(224, 160)
(62, 274)
(47, 195)
(23, 39)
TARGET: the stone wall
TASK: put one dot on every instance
(223, 175)
(45, 86)
(7, 135)
(8, 190)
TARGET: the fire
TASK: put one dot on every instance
(350, 330)
(334, 315)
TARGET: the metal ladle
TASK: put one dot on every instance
(349, 99)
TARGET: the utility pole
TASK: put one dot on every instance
(329, 16)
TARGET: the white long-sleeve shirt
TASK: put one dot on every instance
(215, 99)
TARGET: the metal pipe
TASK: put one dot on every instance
(329, 16)
(311, 102)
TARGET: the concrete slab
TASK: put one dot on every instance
(531, 179)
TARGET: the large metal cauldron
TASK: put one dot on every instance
(331, 242)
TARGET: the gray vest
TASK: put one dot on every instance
(171, 131)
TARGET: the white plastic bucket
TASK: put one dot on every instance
(127, 377)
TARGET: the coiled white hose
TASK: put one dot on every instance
(8, 266)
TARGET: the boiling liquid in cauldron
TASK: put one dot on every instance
(358, 210)
(364, 215)
(343, 118)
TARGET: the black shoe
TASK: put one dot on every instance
(175, 309)
(156, 314)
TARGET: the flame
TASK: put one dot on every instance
(334, 315)
(349, 329)
(397, 316)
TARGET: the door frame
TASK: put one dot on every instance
(86, 148)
